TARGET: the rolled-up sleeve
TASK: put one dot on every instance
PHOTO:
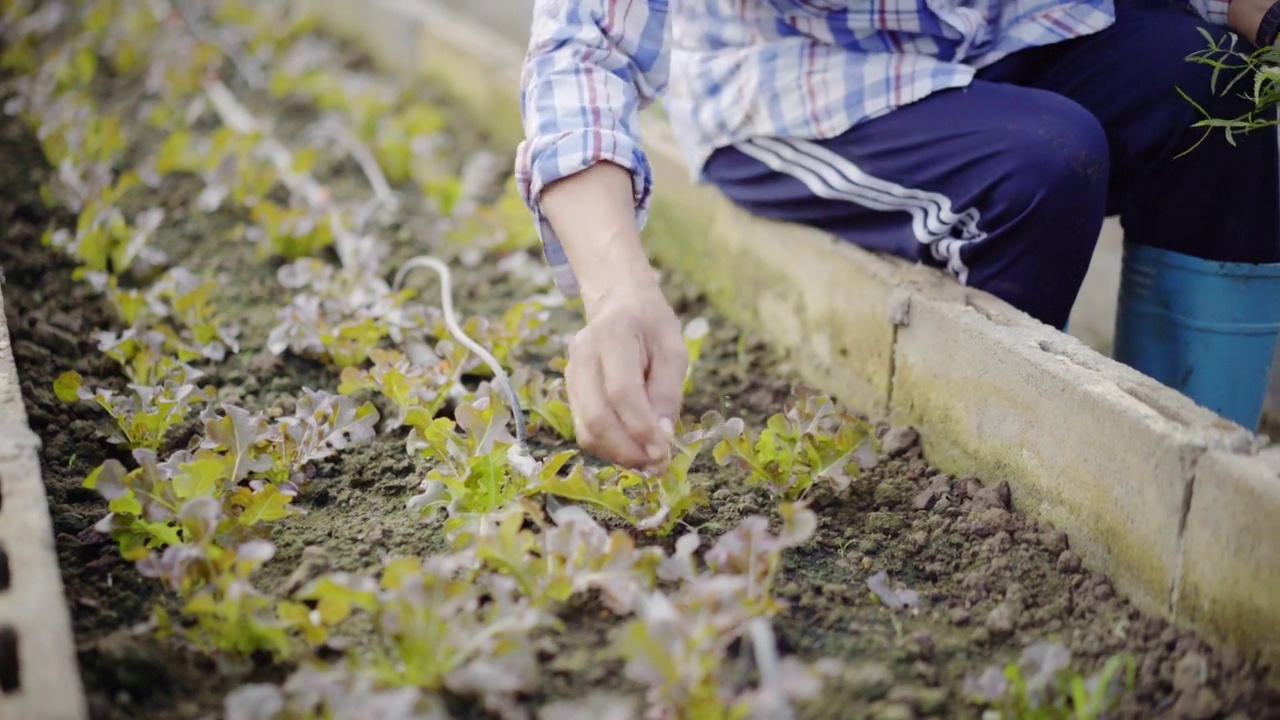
(1215, 11)
(591, 67)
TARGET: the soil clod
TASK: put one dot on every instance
(897, 440)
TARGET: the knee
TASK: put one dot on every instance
(1180, 60)
(1058, 163)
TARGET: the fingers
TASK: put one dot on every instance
(668, 365)
(597, 426)
(622, 364)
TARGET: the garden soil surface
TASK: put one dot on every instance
(991, 578)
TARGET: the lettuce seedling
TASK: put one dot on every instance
(177, 309)
(227, 161)
(343, 314)
(228, 613)
(324, 423)
(574, 555)
(1041, 685)
(523, 325)
(82, 144)
(267, 28)
(128, 33)
(547, 399)
(182, 151)
(292, 232)
(393, 139)
(349, 343)
(240, 446)
(142, 356)
(314, 691)
(678, 645)
(142, 504)
(652, 503)
(473, 476)
(444, 194)
(420, 388)
(104, 240)
(750, 553)
(695, 335)
(588, 557)
(812, 440)
(187, 302)
(192, 520)
(145, 415)
(497, 228)
(445, 626)
(192, 498)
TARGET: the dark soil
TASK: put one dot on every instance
(991, 578)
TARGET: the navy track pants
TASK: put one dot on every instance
(1006, 183)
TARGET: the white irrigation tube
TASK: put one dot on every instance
(451, 322)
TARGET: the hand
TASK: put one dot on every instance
(626, 375)
(627, 366)
(1245, 17)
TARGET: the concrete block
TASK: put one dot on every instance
(39, 672)
(1230, 585)
(1101, 451)
(1093, 318)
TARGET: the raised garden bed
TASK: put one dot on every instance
(278, 477)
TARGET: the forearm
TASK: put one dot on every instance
(592, 66)
(593, 212)
(1244, 16)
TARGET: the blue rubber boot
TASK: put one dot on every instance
(1207, 329)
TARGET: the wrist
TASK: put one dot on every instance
(1256, 20)
(630, 287)
(594, 217)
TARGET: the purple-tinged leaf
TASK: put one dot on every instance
(256, 551)
(1040, 665)
(256, 701)
(989, 687)
(237, 432)
(201, 516)
(799, 524)
(893, 599)
(171, 565)
(485, 422)
(680, 565)
(108, 480)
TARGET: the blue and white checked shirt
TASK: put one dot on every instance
(728, 70)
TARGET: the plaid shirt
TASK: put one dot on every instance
(728, 70)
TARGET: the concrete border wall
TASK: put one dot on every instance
(1177, 505)
(39, 671)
